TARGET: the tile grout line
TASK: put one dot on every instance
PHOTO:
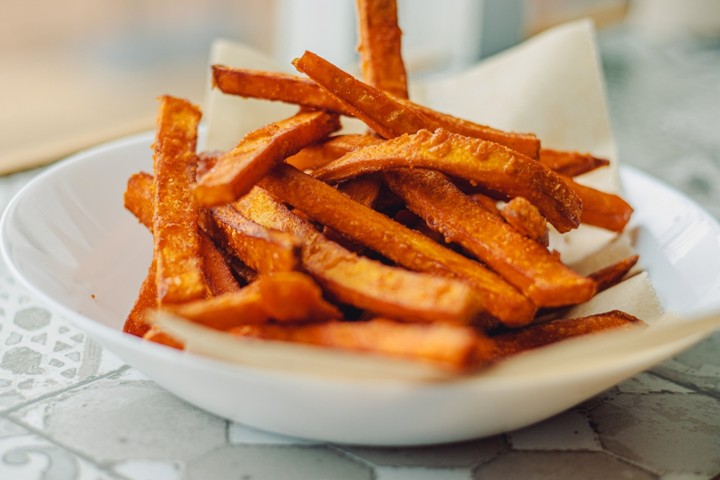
(87, 381)
(693, 388)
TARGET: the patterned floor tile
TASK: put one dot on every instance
(663, 431)
(125, 417)
(241, 434)
(464, 454)
(649, 383)
(41, 353)
(530, 465)
(698, 368)
(268, 462)
(400, 473)
(27, 456)
(570, 430)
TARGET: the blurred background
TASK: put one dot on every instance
(77, 72)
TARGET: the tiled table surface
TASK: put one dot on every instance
(71, 410)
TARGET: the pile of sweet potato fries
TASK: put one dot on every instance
(425, 238)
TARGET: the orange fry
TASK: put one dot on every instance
(395, 241)
(391, 117)
(179, 274)
(526, 219)
(489, 164)
(237, 171)
(283, 297)
(139, 201)
(380, 46)
(157, 335)
(524, 263)
(275, 86)
(362, 282)
(613, 274)
(449, 346)
(315, 156)
(136, 322)
(535, 336)
(218, 275)
(260, 248)
(305, 92)
(571, 164)
(601, 209)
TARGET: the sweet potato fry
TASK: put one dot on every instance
(535, 336)
(179, 274)
(262, 249)
(449, 346)
(287, 297)
(362, 282)
(601, 209)
(380, 46)
(391, 117)
(490, 164)
(218, 275)
(139, 201)
(395, 241)
(571, 164)
(526, 219)
(157, 335)
(237, 171)
(305, 92)
(380, 111)
(524, 263)
(613, 274)
(315, 156)
(525, 143)
(136, 322)
(275, 86)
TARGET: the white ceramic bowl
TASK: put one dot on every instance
(67, 237)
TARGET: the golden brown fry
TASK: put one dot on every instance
(535, 336)
(138, 198)
(524, 263)
(218, 275)
(179, 274)
(324, 152)
(362, 282)
(525, 143)
(526, 219)
(139, 201)
(613, 274)
(284, 297)
(157, 335)
(601, 209)
(305, 92)
(391, 117)
(136, 322)
(449, 346)
(381, 112)
(237, 171)
(275, 86)
(261, 249)
(380, 46)
(489, 164)
(395, 241)
(571, 164)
